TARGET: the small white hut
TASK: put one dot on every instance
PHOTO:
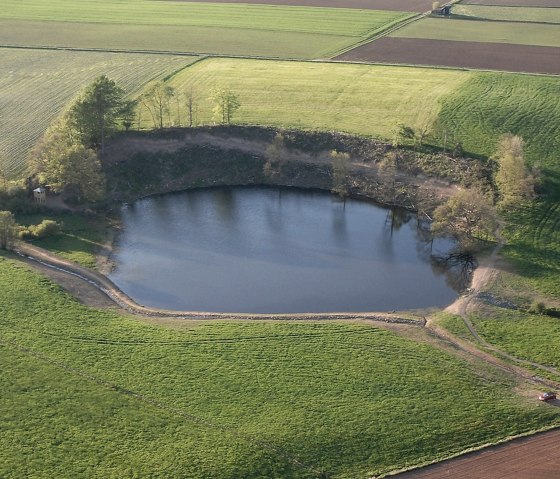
(40, 195)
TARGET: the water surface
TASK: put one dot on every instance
(268, 250)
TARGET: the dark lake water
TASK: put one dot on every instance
(268, 250)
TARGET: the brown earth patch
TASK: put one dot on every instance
(534, 457)
(486, 56)
(514, 3)
(417, 6)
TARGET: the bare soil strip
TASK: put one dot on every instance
(534, 457)
(514, 3)
(417, 6)
(485, 56)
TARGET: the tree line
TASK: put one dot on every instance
(67, 157)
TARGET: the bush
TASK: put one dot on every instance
(537, 307)
(44, 229)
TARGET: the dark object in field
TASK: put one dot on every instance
(548, 396)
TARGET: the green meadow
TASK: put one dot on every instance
(229, 29)
(95, 394)
(360, 99)
(514, 14)
(482, 31)
(526, 336)
(489, 105)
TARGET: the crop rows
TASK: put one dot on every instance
(36, 85)
(490, 105)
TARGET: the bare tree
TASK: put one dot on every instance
(467, 217)
(192, 106)
(157, 101)
(275, 153)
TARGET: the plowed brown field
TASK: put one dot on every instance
(419, 6)
(487, 56)
(534, 457)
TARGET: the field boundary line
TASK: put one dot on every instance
(391, 28)
(207, 56)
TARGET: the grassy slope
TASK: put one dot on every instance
(323, 392)
(517, 14)
(242, 29)
(533, 235)
(36, 85)
(526, 336)
(362, 99)
(482, 31)
(491, 104)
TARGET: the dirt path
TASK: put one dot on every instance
(482, 277)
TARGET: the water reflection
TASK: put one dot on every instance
(273, 250)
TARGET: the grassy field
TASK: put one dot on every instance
(229, 399)
(233, 29)
(36, 85)
(367, 100)
(514, 14)
(533, 235)
(526, 336)
(79, 240)
(482, 31)
(491, 104)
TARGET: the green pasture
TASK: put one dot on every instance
(526, 336)
(227, 41)
(489, 105)
(482, 31)
(513, 14)
(533, 234)
(93, 394)
(231, 29)
(360, 99)
(338, 21)
(36, 86)
(80, 238)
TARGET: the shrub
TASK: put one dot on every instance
(44, 229)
